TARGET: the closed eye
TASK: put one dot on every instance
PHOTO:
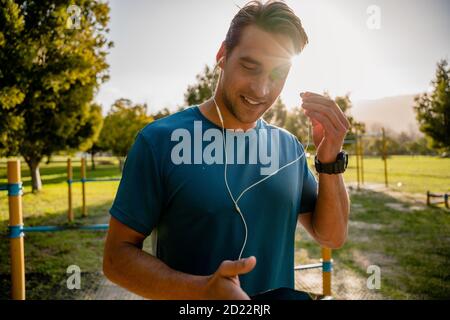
(247, 67)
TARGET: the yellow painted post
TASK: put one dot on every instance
(326, 271)
(83, 184)
(357, 156)
(361, 152)
(16, 222)
(69, 184)
(385, 158)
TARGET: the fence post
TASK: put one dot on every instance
(326, 271)
(357, 156)
(16, 234)
(385, 158)
(69, 185)
(361, 152)
(83, 184)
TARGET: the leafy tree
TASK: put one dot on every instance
(202, 89)
(96, 148)
(297, 124)
(93, 145)
(161, 114)
(94, 124)
(433, 110)
(53, 71)
(121, 126)
(276, 114)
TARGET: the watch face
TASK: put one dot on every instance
(342, 160)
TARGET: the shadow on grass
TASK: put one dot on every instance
(48, 254)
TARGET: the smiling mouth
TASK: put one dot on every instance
(251, 102)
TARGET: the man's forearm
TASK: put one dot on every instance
(141, 273)
(330, 216)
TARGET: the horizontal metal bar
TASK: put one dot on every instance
(100, 179)
(308, 266)
(62, 228)
(92, 180)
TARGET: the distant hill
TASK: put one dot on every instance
(395, 112)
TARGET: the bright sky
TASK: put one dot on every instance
(161, 45)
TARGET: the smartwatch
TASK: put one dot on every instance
(336, 167)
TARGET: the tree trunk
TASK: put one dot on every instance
(36, 181)
(92, 161)
(120, 164)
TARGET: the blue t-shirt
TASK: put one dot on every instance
(182, 193)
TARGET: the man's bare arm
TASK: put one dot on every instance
(328, 223)
(126, 264)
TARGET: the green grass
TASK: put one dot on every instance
(412, 248)
(417, 174)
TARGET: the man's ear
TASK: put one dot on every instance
(220, 56)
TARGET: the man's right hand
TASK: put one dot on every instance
(224, 283)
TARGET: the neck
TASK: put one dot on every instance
(208, 109)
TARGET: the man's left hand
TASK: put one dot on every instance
(330, 125)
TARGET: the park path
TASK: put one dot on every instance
(109, 291)
(413, 199)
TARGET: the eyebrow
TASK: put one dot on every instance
(256, 62)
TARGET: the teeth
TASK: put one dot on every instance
(251, 101)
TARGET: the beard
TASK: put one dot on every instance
(234, 110)
(229, 105)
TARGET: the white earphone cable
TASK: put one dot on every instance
(235, 201)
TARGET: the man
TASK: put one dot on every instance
(202, 226)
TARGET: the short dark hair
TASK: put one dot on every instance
(272, 16)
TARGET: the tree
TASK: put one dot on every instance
(94, 123)
(121, 126)
(297, 124)
(96, 148)
(276, 114)
(92, 145)
(345, 104)
(52, 75)
(202, 90)
(161, 114)
(433, 110)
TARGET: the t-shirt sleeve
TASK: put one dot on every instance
(309, 185)
(138, 201)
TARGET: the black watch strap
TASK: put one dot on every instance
(336, 167)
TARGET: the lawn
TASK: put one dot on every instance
(413, 174)
(410, 245)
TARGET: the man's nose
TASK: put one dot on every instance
(260, 88)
